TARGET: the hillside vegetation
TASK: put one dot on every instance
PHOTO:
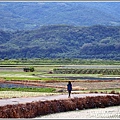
(32, 15)
(62, 41)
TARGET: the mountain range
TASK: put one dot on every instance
(33, 15)
(89, 30)
(62, 41)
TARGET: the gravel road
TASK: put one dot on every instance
(102, 113)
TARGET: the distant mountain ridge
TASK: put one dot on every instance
(33, 15)
(62, 41)
(89, 30)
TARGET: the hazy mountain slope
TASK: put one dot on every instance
(31, 15)
(62, 41)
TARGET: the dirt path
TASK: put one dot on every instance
(12, 101)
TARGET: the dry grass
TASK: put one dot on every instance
(18, 94)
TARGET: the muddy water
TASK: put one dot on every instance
(108, 112)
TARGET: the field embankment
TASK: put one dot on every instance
(44, 107)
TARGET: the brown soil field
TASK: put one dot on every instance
(77, 84)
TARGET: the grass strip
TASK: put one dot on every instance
(46, 90)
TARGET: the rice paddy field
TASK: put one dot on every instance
(44, 76)
(85, 75)
(47, 71)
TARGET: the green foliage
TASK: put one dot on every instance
(46, 62)
(30, 69)
(20, 16)
(62, 41)
(29, 89)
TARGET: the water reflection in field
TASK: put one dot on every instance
(8, 85)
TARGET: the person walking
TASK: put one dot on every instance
(69, 88)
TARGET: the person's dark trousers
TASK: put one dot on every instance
(69, 93)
